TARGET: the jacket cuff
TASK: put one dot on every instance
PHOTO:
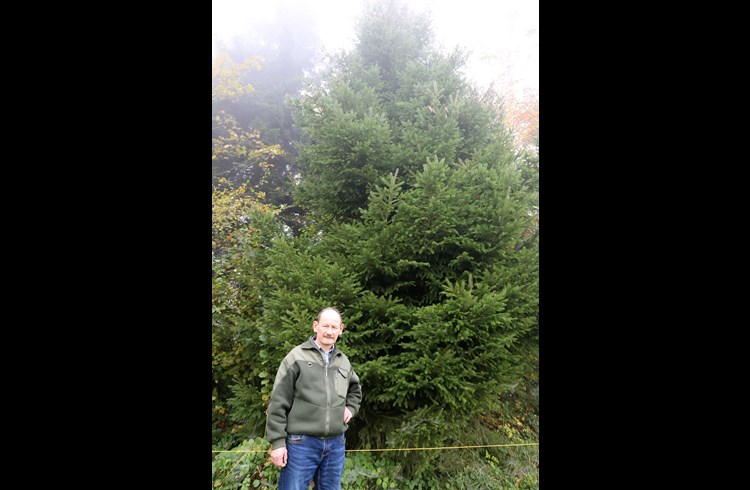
(278, 443)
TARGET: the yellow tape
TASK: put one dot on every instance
(400, 448)
(437, 448)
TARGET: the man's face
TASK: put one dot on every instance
(328, 328)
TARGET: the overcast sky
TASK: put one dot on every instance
(503, 35)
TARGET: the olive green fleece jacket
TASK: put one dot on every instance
(309, 399)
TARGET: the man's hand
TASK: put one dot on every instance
(278, 456)
(347, 415)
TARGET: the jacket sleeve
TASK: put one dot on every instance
(354, 395)
(282, 397)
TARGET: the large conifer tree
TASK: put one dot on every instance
(424, 234)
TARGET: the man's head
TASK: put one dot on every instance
(328, 327)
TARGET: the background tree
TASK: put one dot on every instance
(241, 224)
(287, 46)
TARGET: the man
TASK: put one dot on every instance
(315, 394)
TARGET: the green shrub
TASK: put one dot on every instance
(245, 470)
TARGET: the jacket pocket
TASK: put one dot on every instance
(341, 380)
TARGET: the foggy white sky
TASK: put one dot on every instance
(503, 35)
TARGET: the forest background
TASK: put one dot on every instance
(381, 181)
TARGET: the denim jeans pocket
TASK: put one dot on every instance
(342, 439)
(295, 438)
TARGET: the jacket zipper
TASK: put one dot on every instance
(328, 404)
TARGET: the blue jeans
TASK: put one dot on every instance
(311, 458)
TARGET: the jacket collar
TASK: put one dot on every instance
(310, 344)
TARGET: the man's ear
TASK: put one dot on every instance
(342, 327)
